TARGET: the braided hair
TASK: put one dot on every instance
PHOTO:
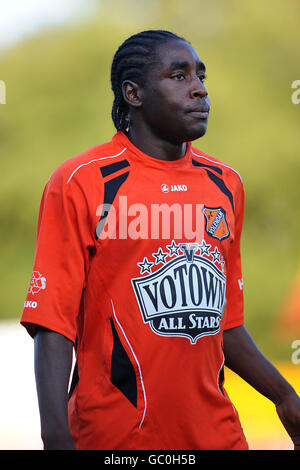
(129, 63)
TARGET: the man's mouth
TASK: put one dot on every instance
(200, 112)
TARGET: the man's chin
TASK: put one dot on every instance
(197, 133)
(186, 135)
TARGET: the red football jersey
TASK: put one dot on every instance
(138, 263)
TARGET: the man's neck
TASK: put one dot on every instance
(154, 146)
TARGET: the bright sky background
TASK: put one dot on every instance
(21, 18)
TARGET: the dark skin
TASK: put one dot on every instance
(169, 110)
(53, 354)
(173, 106)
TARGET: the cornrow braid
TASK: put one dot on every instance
(129, 63)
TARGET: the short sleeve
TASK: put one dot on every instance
(234, 310)
(64, 240)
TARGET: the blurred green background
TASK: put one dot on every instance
(58, 104)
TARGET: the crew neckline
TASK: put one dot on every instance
(122, 138)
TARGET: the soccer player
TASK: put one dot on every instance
(138, 268)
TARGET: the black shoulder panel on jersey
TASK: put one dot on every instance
(122, 371)
(221, 185)
(203, 165)
(111, 188)
(113, 167)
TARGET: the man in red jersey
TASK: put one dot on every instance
(138, 267)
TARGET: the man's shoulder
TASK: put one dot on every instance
(84, 165)
(214, 165)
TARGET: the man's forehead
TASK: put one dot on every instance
(178, 54)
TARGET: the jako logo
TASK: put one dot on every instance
(30, 304)
(165, 188)
(174, 187)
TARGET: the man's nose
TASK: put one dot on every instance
(198, 88)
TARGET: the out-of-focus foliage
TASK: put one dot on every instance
(59, 103)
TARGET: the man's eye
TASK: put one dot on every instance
(202, 78)
(178, 76)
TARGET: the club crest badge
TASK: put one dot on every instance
(216, 224)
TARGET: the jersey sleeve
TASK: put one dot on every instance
(61, 261)
(234, 310)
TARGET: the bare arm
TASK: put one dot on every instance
(53, 361)
(245, 359)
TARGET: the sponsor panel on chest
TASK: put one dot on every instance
(181, 289)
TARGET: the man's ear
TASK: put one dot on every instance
(132, 93)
